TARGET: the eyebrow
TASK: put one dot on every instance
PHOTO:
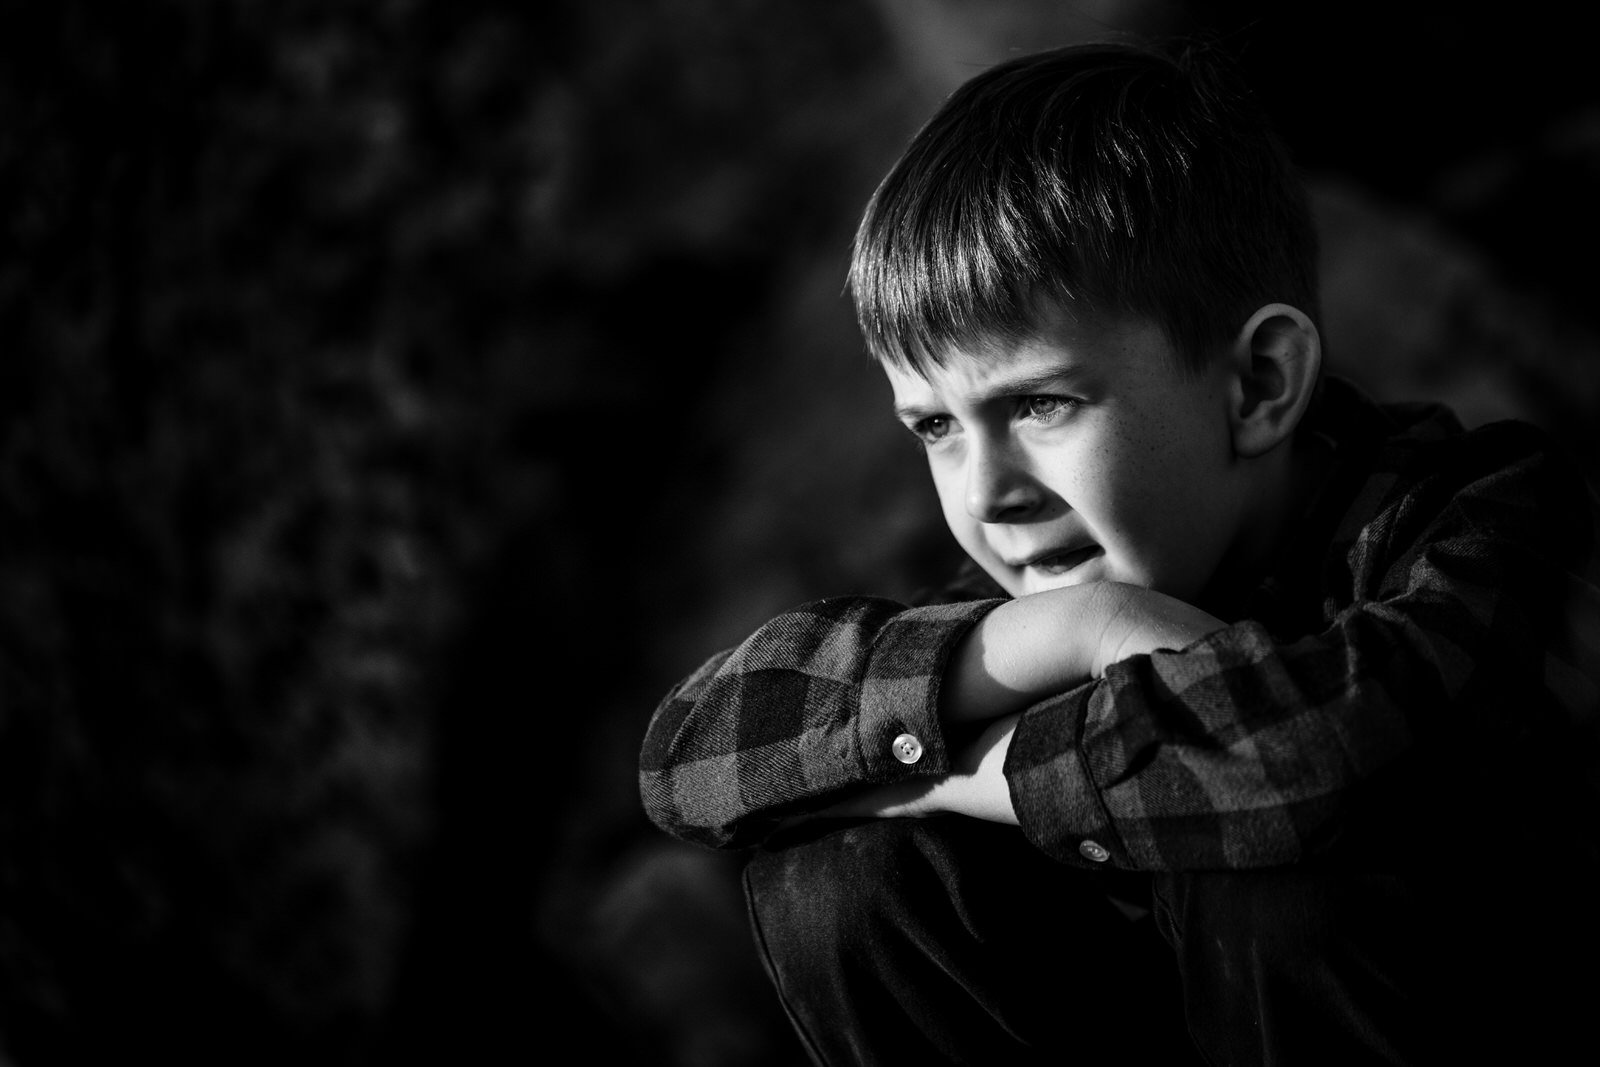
(1019, 386)
(912, 412)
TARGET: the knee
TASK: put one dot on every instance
(1246, 926)
(839, 891)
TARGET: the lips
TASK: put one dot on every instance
(1060, 561)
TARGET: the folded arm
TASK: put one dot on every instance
(1441, 679)
(1436, 622)
(1022, 652)
(832, 696)
(807, 715)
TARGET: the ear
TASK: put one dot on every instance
(1276, 359)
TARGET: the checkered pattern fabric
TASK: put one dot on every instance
(1432, 601)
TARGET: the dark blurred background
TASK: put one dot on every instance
(397, 397)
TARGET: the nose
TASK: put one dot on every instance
(1000, 487)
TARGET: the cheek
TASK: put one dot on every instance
(1149, 489)
(1169, 503)
(950, 483)
(945, 487)
(963, 526)
(953, 507)
(968, 531)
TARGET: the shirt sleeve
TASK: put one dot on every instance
(1248, 750)
(835, 694)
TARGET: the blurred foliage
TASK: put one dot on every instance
(343, 341)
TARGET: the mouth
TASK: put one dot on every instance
(1063, 561)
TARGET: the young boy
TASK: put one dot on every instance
(1297, 681)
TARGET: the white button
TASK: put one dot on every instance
(1094, 850)
(907, 749)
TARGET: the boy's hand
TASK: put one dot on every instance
(1025, 650)
(1039, 645)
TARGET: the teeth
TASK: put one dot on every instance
(1064, 560)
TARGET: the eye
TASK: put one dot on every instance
(933, 428)
(1047, 408)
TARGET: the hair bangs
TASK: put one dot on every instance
(1109, 178)
(953, 256)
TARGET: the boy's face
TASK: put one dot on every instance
(1084, 454)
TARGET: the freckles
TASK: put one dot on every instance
(1134, 448)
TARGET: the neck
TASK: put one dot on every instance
(1277, 498)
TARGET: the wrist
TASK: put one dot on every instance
(1134, 620)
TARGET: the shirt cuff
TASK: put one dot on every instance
(899, 733)
(1057, 803)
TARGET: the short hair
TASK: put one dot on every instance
(1128, 179)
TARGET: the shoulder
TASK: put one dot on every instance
(1413, 466)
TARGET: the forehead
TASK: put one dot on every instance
(1066, 351)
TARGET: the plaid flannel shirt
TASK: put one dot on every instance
(1428, 616)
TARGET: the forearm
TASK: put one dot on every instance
(1021, 652)
(836, 682)
(1038, 646)
(813, 705)
(975, 787)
